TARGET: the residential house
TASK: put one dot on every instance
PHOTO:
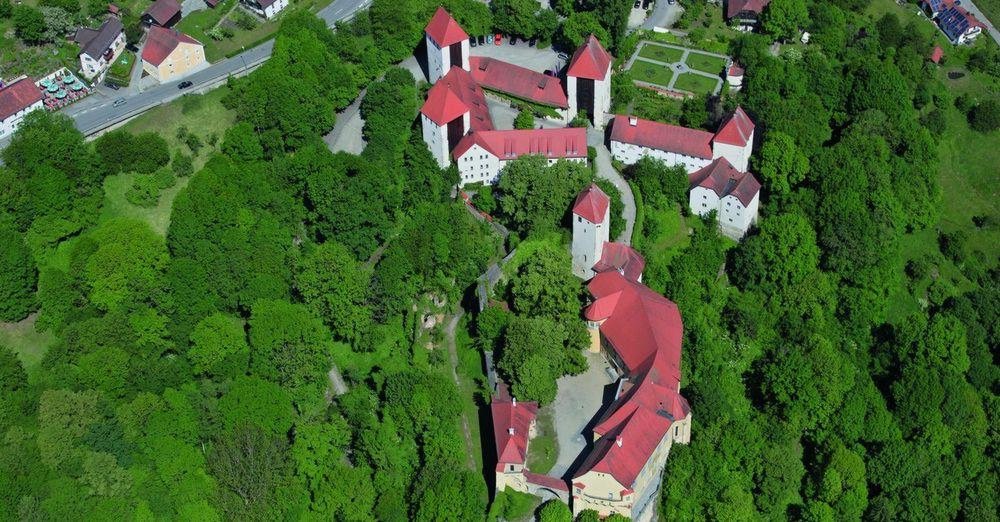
(588, 82)
(482, 155)
(17, 99)
(959, 25)
(734, 196)
(99, 48)
(266, 8)
(640, 333)
(447, 45)
(170, 55)
(162, 13)
(745, 14)
(633, 138)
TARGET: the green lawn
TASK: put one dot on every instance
(121, 70)
(651, 73)
(513, 506)
(705, 63)
(28, 344)
(473, 385)
(660, 53)
(202, 114)
(695, 83)
(543, 448)
(115, 204)
(991, 8)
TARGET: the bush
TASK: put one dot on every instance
(144, 191)
(485, 201)
(985, 117)
(245, 21)
(164, 178)
(182, 164)
(953, 244)
(525, 119)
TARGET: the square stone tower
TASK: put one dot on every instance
(591, 225)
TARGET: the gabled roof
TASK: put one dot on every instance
(444, 30)
(93, 42)
(662, 136)
(163, 11)
(518, 81)
(453, 95)
(592, 204)
(621, 258)
(160, 42)
(955, 21)
(735, 7)
(724, 179)
(937, 54)
(590, 60)
(737, 130)
(570, 142)
(735, 69)
(511, 422)
(17, 96)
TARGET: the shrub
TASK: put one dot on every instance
(164, 178)
(985, 117)
(525, 119)
(952, 244)
(245, 21)
(144, 191)
(182, 164)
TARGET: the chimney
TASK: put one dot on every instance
(513, 402)
(510, 431)
(633, 121)
(618, 441)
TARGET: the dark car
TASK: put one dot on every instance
(513, 39)
(483, 39)
(112, 85)
(473, 42)
(132, 47)
(185, 84)
(637, 4)
(532, 42)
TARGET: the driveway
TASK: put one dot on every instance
(579, 399)
(595, 138)
(664, 15)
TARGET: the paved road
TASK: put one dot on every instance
(595, 138)
(98, 111)
(990, 28)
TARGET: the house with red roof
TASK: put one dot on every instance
(588, 82)
(266, 8)
(640, 333)
(455, 106)
(518, 82)
(732, 194)
(17, 99)
(734, 76)
(745, 14)
(482, 155)
(632, 138)
(162, 13)
(170, 54)
(447, 45)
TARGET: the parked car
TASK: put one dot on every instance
(532, 42)
(483, 39)
(119, 102)
(473, 42)
(513, 39)
(185, 84)
(132, 47)
(112, 85)
(637, 4)
(498, 39)
(563, 56)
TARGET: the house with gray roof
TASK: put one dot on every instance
(99, 47)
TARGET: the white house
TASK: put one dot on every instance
(17, 99)
(591, 226)
(482, 155)
(447, 45)
(588, 82)
(455, 106)
(734, 76)
(632, 138)
(734, 195)
(99, 48)
(266, 8)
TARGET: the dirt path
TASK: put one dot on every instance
(453, 355)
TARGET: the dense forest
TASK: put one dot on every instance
(194, 373)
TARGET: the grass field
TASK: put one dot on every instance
(121, 70)
(695, 83)
(705, 63)
(202, 114)
(28, 344)
(660, 53)
(991, 8)
(115, 204)
(651, 73)
(544, 448)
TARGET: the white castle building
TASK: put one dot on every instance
(733, 195)
(447, 45)
(588, 82)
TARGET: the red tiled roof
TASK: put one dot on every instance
(453, 95)
(736, 130)
(545, 481)
(444, 30)
(160, 42)
(622, 259)
(570, 142)
(518, 81)
(644, 328)
(592, 204)
(736, 70)
(662, 136)
(735, 7)
(937, 54)
(590, 60)
(724, 179)
(162, 11)
(18, 96)
(512, 448)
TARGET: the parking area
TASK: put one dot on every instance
(579, 399)
(522, 54)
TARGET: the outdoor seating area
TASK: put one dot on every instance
(62, 88)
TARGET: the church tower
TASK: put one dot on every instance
(447, 45)
(591, 224)
(588, 82)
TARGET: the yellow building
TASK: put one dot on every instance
(169, 55)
